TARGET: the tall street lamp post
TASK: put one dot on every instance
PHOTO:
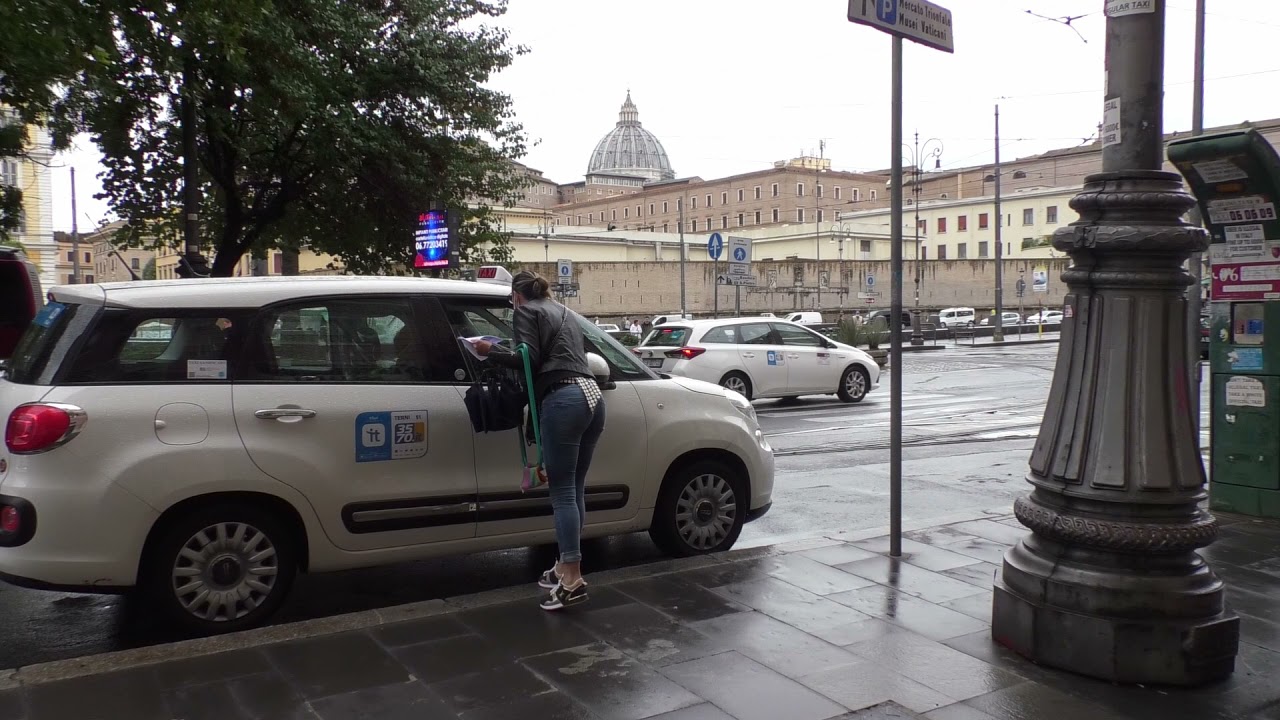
(932, 150)
(1109, 583)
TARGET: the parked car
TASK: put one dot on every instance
(759, 358)
(882, 318)
(957, 317)
(805, 318)
(20, 297)
(1007, 318)
(269, 426)
(1045, 317)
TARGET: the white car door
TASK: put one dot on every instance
(616, 475)
(809, 366)
(764, 358)
(343, 401)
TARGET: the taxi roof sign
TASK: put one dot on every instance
(493, 274)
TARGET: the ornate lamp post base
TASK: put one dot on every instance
(1109, 583)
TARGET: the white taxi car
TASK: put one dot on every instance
(760, 358)
(205, 440)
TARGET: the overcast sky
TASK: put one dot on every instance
(730, 86)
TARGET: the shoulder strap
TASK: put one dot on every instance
(533, 400)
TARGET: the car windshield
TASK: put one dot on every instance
(668, 336)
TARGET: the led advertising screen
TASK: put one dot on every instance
(432, 240)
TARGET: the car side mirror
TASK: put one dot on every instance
(600, 371)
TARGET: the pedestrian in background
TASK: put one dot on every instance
(571, 414)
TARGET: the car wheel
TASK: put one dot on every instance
(222, 568)
(701, 509)
(738, 383)
(855, 383)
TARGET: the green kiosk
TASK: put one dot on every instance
(1235, 177)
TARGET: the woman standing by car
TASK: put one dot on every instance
(571, 413)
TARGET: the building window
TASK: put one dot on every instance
(856, 194)
(873, 195)
(277, 264)
(818, 189)
(694, 202)
(924, 252)
(708, 199)
(837, 192)
(864, 246)
(982, 221)
(693, 226)
(626, 213)
(591, 217)
(942, 252)
(724, 222)
(741, 217)
(638, 210)
(724, 198)
(757, 217)
(664, 227)
(9, 173)
(799, 189)
(962, 251)
(1051, 214)
(1008, 248)
(71, 257)
(1029, 216)
(775, 214)
(922, 226)
(679, 204)
(741, 194)
(962, 223)
(664, 207)
(942, 225)
(613, 214)
(775, 189)
(982, 249)
(799, 215)
(757, 192)
(819, 215)
(88, 279)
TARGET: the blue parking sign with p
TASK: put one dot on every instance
(887, 11)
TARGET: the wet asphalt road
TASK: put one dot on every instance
(969, 421)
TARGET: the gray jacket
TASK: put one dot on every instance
(557, 348)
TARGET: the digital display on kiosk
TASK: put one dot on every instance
(431, 240)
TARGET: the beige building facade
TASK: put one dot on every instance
(73, 256)
(112, 263)
(32, 175)
(309, 263)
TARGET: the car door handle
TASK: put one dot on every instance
(748, 355)
(282, 413)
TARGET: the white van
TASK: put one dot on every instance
(805, 318)
(956, 317)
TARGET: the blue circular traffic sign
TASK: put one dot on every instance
(715, 246)
(740, 254)
(871, 281)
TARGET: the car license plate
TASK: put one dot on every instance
(653, 362)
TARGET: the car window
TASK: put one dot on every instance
(795, 336)
(623, 365)
(130, 346)
(383, 340)
(721, 335)
(47, 341)
(668, 336)
(756, 334)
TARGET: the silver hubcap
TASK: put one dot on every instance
(706, 511)
(225, 571)
(855, 384)
(736, 384)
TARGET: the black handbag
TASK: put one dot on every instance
(496, 401)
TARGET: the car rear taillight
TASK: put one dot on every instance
(42, 426)
(10, 520)
(686, 353)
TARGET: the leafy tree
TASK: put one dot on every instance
(149, 270)
(329, 123)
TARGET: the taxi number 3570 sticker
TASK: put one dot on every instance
(391, 435)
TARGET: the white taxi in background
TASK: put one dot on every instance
(760, 358)
(203, 441)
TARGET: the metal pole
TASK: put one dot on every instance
(895, 310)
(997, 335)
(1196, 263)
(190, 173)
(817, 225)
(715, 285)
(75, 234)
(737, 301)
(683, 305)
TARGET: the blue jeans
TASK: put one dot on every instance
(569, 435)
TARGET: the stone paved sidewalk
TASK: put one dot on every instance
(817, 629)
